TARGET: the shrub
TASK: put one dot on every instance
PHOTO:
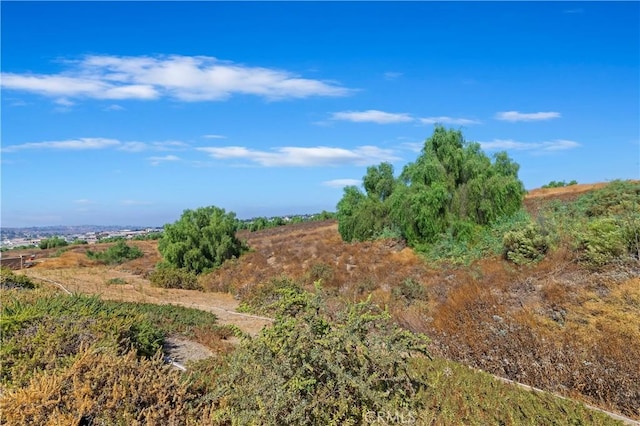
(52, 242)
(167, 277)
(8, 279)
(410, 290)
(148, 237)
(602, 241)
(201, 240)
(311, 369)
(265, 297)
(116, 254)
(102, 388)
(321, 271)
(561, 184)
(526, 245)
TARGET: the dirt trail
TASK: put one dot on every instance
(122, 286)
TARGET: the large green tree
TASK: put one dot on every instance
(452, 186)
(201, 239)
(365, 216)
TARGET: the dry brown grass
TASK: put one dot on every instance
(101, 388)
(552, 325)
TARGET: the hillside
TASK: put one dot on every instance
(555, 324)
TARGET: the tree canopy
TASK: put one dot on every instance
(451, 187)
(201, 239)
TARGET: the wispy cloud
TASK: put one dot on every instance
(449, 120)
(98, 143)
(69, 144)
(372, 116)
(530, 116)
(576, 10)
(214, 136)
(64, 102)
(341, 183)
(412, 146)
(157, 160)
(114, 107)
(83, 201)
(391, 75)
(153, 146)
(134, 203)
(320, 156)
(184, 78)
(547, 146)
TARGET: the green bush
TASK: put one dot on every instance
(52, 242)
(265, 297)
(526, 245)
(8, 279)
(201, 240)
(321, 271)
(562, 184)
(410, 290)
(168, 277)
(311, 368)
(148, 237)
(118, 253)
(602, 241)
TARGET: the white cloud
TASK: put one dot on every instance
(99, 143)
(153, 146)
(413, 146)
(372, 116)
(69, 144)
(64, 102)
(185, 78)
(304, 157)
(134, 203)
(134, 146)
(114, 107)
(341, 183)
(449, 120)
(548, 146)
(521, 116)
(157, 160)
(214, 136)
(391, 75)
(84, 201)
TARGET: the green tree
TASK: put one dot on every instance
(201, 239)
(453, 186)
(379, 181)
(118, 253)
(52, 242)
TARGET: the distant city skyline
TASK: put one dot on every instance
(128, 113)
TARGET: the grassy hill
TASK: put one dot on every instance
(561, 323)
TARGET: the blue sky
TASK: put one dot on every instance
(127, 113)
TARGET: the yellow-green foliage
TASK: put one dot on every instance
(526, 245)
(310, 368)
(101, 387)
(169, 277)
(8, 279)
(118, 253)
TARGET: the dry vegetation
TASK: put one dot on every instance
(553, 325)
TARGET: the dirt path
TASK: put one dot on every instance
(121, 286)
